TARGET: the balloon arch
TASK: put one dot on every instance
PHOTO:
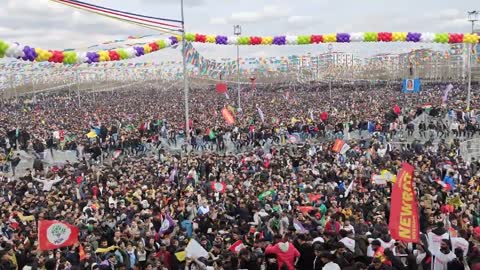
(32, 54)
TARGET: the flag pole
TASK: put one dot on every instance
(185, 82)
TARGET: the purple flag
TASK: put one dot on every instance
(446, 92)
(171, 178)
(167, 224)
(299, 227)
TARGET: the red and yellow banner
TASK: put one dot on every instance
(403, 223)
(337, 147)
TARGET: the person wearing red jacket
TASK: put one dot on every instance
(333, 226)
(286, 254)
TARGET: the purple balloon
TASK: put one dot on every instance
(139, 51)
(413, 37)
(279, 40)
(223, 40)
(343, 37)
(93, 57)
(173, 40)
(29, 54)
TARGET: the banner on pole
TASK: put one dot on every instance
(404, 225)
(411, 85)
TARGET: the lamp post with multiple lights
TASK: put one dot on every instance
(237, 31)
(473, 18)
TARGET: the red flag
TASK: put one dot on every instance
(219, 187)
(314, 197)
(237, 247)
(397, 110)
(403, 223)
(54, 234)
(221, 88)
(444, 185)
(79, 179)
(81, 253)
(305, 209)
(324, 116)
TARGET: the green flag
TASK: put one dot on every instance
(266, 194)
(212, 134)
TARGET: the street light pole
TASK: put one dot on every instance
(237, 31)
(78, 90)
(330, 47)
(34, 93)
(472, 17)
(185, 82)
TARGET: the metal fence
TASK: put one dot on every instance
(470, 149)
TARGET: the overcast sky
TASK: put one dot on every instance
(42, 23)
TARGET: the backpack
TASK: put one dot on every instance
(360, 247)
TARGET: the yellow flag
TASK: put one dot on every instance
(455, 201)
(105, 250)
(91, 134)
(180, 256)
(25, 218)
(387, 175)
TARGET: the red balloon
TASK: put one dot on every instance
(221, 88)
(200, 38)
(154, 46)
(316, 39)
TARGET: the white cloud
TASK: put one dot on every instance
(446, 14)
(267, 13)
(218, 20)
(300, 19)
(246, 17)
(275, 11)
(50, 25)
(461, 23)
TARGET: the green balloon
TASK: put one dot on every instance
(122, 53)
(303, 39)
(441, 38)
(370, 36)
(244, 40)
(190, 37)
(69, 57)
(161, 44)
(3, 48)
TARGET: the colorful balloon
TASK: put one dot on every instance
(3, 48)
(27, 53)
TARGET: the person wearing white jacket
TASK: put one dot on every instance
(48, 183)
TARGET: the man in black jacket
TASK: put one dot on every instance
(306, 253)
(14, 163)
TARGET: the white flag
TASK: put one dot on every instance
(350, 187)
(261, 114)
(195, 250)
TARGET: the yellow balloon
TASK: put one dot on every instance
(39, 55)
(147, 49)
(330, 38)
(103, 56)
(471, 38)
(399, 36)
(210, 39)
(267, 40)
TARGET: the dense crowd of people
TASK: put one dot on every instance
(280, 199)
